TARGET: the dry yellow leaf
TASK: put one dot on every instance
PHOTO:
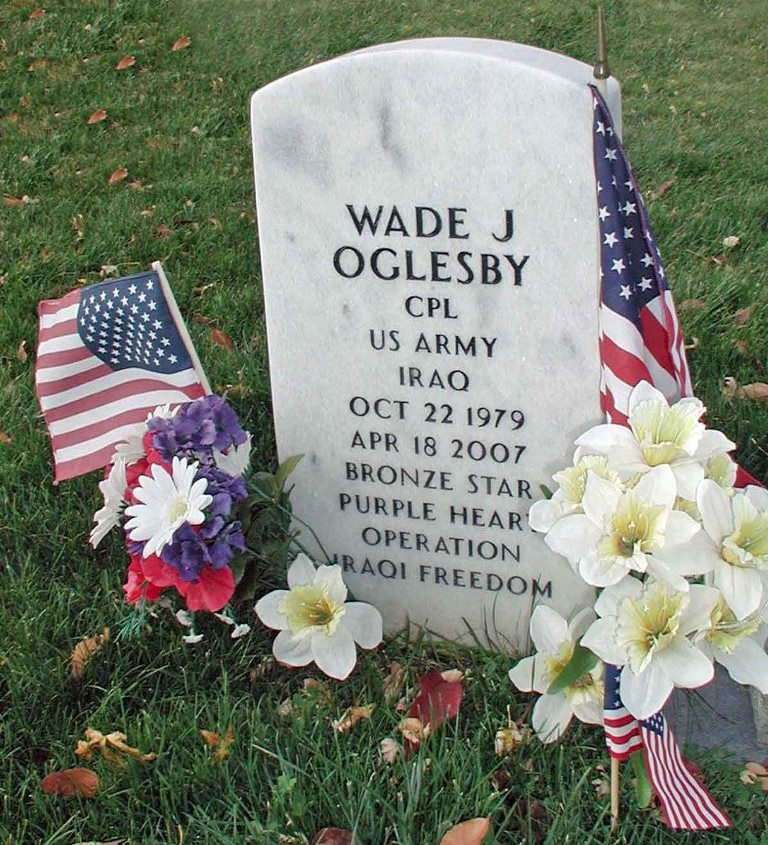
(692, 305)
(393, 683)
(757, 391)
(508, 739)
(84, 651)
(389, 750)
(15, 202)
(21, 352)
(110, 745)
(414, 730)
(351, 716)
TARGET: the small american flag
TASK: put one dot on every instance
(640, 340)
(107, 355)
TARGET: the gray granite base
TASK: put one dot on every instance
(723, 716)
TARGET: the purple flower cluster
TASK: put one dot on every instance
(197, 429)
(194, 432)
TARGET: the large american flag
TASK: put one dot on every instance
(107, 355)
(640, 340)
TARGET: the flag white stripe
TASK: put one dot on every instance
(113, 409)
(119, 378)
(59, 344)
(77, 450)
(620, 390)
(69, 312)
(46, 374)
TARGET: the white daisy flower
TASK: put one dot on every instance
(315, 621)
(555, 641)
(165, 503)
(113, 490)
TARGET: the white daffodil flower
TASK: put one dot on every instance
(620, 531)
(555, 641)
(645, 629)
(658, 434)
(728, 640)
(235, 460)
(568, 497)
(738, 528)
(165, 502)
(315, 621)
(113, 490)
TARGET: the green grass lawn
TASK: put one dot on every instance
(695, 81)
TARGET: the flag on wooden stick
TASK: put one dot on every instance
(108, 355)
(640, 340)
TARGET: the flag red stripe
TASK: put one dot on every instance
(52, 306)
(67, 327)
(61, 359)
(81, 465)
(626, 366)
(657, 340)
(102, 397)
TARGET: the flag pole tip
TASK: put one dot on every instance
(600, 69)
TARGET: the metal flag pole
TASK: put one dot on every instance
(600, 69)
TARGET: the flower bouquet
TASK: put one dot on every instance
(648, 514)
(194, 531)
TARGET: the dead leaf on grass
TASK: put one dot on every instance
(118, 175)
(318, 690)
(662, 189)
(332, 836)
(389, 750)
(742, 346)
(4, 438)
(125, 62)
(181, 43)
(219, 744)
(77, 222)
(743, 315)
(731, 241)
(84, 651)
(692, 305)
(351, 716)
(110, 745)
(222, 339)
(37, 15)
(15, 202)
(21, 352)
(162, 231)
(471, 832)
(68, 783)
(393, 683)
(96, 117)
(201, 289)
(757, 391)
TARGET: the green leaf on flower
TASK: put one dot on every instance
(284, 470)
(545, 491)
(582, 661)
(642, 783)
(263, 484)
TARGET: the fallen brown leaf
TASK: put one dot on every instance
(743, 315)
(414, 731)
(731, 241)
(508, 739)
(77, 222)
(125, 62)
(317, 690)
(351, 716)
(71, 782)
(692, 305)
(757, 391)
(201, 289)
(219, 744)
(742, 346)
(389, 750)
(84, 651)
(393, 683)
(118, 175)
(110, 745)
(37, 15)
(181, 43)
(162, 231)
(471, 832)
(15, 202)
(21, 352)
(332, 836)
(96, 117)
(4, 438)
(662, 188)
(222, 339)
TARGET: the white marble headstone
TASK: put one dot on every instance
(427, 224)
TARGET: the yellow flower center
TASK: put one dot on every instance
(308, 608)
(634, 527)
(663, 433)
(558, 660)
(649, 624)
(721, 469)
(727, 631)
(588, 688)
(573, 481)
(747, 546)
(177, 508)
